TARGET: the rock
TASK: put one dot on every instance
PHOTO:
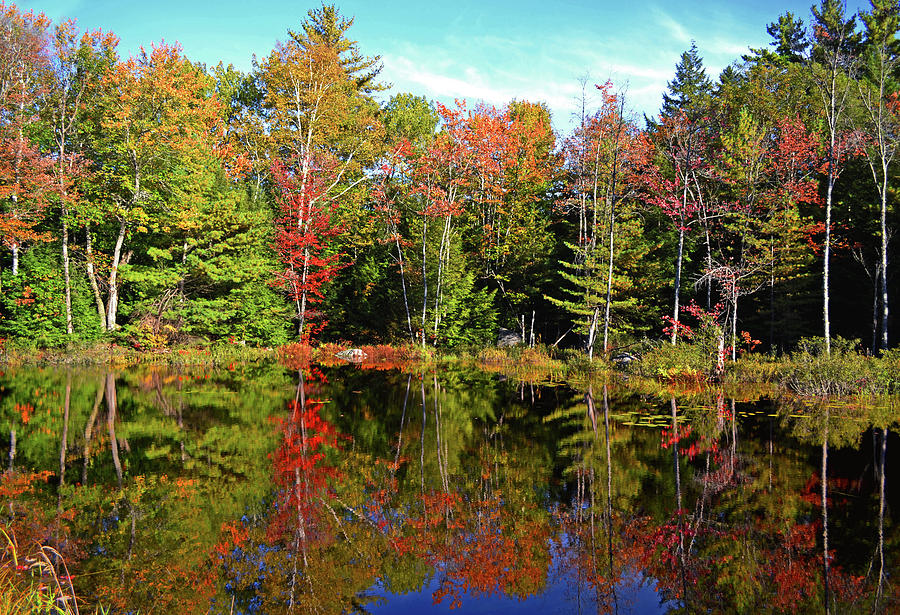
(623, 359)
(507, 338)
(354, 355)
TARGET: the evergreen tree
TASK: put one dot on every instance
(327, 27)
(788, 38)
(835, 38)
(690, 89)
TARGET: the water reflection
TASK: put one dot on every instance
(265, 489)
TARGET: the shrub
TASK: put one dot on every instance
(697, 356)
(811, 370)
(683, 362)
(754, 367)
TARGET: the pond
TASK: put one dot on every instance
(261, 489)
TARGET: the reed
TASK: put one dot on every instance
(30, 582)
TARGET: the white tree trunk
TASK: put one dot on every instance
(92, 277)
(66, 276)
(113, 302)
(678, 259)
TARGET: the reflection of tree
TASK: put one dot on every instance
(826, 556)
(480, 525)
(138, 544)
(458, 494)
(591, 549)
(455, 480)
(315, 548)
(112, 408)
(89, 432)
(757, 548)
(880, 473)
(609, 511)
(302, 476)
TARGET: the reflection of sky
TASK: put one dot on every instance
(564, 593)
(482, 51)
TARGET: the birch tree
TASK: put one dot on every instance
(833, 64)
(878, 93)
(320, 117)
(157, 117)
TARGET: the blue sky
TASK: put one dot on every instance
(490, 51)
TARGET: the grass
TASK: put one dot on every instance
(122, 356)
(31, 584)
(811, 371)
(807, 372)
(531, 364)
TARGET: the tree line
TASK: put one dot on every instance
(154, 200)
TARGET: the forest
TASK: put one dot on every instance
(191, 254)
(152, 201)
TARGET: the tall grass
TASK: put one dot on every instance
(812, 371)
(522, 363)
(31, 584)
(122, 356)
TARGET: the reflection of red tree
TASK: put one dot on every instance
(588, 557)
(301, 472)
(688, 446)
(479, 548)
(757, 563)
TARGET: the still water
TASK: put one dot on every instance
(263, 489)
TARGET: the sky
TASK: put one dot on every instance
(489, 51)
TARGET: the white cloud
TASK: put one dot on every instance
(485, 66)
(675, 30)
(631, 71)
(731, 49)
(403, 70)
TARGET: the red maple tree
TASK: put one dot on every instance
(303, 237)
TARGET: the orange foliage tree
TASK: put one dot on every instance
(159, 121)
(26, 179)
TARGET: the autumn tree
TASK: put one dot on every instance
(793, 165)
(604, 156)
(833, 60)
(775, 95)
(157, 122)
(319, 116)
(671, 188)
(739, 267)
(304, 230)
(681, 138)
(473, 194)
(410, 123)
(511, 168)
(241, 96)
(26, 178)
(437, 183)
(76, 65)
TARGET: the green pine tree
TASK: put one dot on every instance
(690, 89)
